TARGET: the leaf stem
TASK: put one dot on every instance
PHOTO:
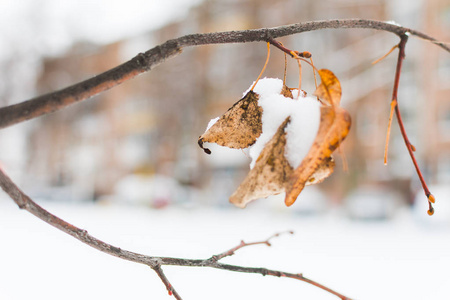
(264, 67)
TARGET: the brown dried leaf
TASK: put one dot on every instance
(324, 170)
(270, 173)
(286, 92)
(334, 127)
(330, 88)
(239, 127)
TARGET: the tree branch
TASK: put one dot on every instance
(243, 244)
(154, 262)
(144, 62)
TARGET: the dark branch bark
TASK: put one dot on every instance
(154, 262)
(143, 62)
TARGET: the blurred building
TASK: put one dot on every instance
(150, 124)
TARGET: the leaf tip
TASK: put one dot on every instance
(291, 197)
(238, 201)
(200, 143)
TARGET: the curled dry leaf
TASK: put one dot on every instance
(269, 174)
(330, 88)
(239, 127)
(334, 127)
(272, 174)
(317, 165)
(323, 171)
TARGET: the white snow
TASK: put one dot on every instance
(302, 130)
(211, 123)
(392, 22)
(398, 259)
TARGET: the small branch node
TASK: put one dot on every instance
(431, 198)
(84, 233)
(23, 205)
(140, 59)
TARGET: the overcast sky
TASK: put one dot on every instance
(54, 24)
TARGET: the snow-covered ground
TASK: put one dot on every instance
(399, 259)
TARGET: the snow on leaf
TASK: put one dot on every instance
(293, 139)
(241, 125)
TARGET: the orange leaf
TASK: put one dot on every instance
(272, 172)
(324, 170)
(330, 88)
(334, 127)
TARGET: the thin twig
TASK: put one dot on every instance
(243, 244)
(144, 62)
(394, 102)
(169, 286)
(384, 56)
(155, 262)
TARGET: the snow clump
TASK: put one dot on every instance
(304, 123)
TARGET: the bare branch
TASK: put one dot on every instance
(166, 282)
(25, 202)
(244, 244)
(394, 104)
(143, 62)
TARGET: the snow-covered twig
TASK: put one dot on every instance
(143, 62)
(154, 262)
